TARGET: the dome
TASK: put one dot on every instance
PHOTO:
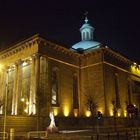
(86, 44)
(87, 41)
(86, 25)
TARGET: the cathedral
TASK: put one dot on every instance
(89, 79)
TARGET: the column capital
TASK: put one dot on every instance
(19, 62)
(6, 68)
(36, 55)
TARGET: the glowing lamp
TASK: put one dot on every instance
(75, 112)
(66, 111)
(125, 113)
(119, 114)
(26, 110)
(22, 99)
(88, 113)
(135, 63)
(55, 111)
(111, 113)
(27, 103)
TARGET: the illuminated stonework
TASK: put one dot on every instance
(37, 75)
(135, 69)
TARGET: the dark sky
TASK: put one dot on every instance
(116, 22)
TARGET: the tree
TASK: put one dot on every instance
(115, 110)
(91, 104)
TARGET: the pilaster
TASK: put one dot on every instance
(32, 98)
(35, 82)
(18, 85)
(14, 90)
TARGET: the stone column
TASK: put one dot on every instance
(36, 82)
(2, 88)
(37, 75)
(47, 94)
(14, 90)
(32, 97)
(18, 87)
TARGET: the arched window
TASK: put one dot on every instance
(87, 36)
(75, 92)
(54, 88)
(83, 38)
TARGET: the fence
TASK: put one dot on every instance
(122, 135)
(133, 134)
(3, 135)
(37, 134)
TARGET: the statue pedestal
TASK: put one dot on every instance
(52, 129)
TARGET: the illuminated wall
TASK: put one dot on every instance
(77, 77)
(135, 69)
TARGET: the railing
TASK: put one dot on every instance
(37, 134)
(3, 135)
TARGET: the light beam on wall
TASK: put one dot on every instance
(55, 111)
(88, 113)
(66, 111)
(75, 112)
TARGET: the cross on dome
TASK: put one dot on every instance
(86, 19)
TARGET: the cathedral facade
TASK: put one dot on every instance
(38, 76)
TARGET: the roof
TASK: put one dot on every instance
(86, 44)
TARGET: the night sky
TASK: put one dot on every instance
(116, 22)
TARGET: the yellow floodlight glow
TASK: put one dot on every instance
(88, 113)
(66, 111)
(135, 69)
(55, 111)
(125, 113)
(75, 112)
(119, 114)
(111, 113)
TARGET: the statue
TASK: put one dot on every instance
(52, 127)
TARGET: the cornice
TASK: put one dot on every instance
(28, 43)
(36, 39)
(116, 55)
(18, 47)
(58, 48)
